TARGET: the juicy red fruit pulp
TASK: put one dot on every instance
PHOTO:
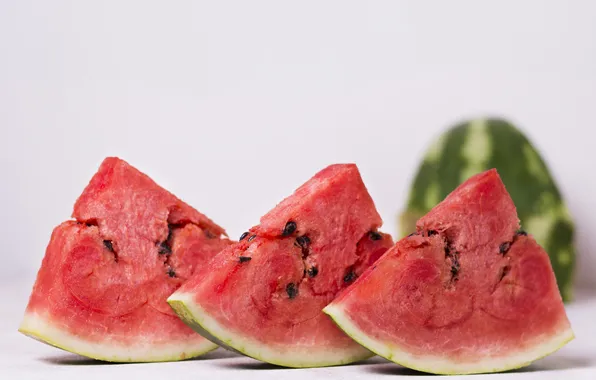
(107, 274)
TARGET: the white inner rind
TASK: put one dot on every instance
(42, 328)
(290, 356)
(443, 365)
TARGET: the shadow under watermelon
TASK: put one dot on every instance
(552, 363)
(558, 363)
(253, 364)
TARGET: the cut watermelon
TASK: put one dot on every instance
(478, 145)
(264, 296)
(102, 287)
(467, 293)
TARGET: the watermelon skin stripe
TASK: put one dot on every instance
(442, 365)
(539, 203)
(194, 316)
(41, 328)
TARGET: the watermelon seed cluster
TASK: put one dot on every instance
(504, 248)
(164, 247)
(303, 242)
(452, 256)
(245, 259)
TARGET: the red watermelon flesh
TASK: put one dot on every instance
(102, 287)
(264, 295)
(467, 293)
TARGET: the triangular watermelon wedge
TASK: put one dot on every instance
(264, 296)
(102, 287)
(467, 293)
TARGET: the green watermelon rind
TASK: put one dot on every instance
(442, 365)
(196, 317)
(40, 327)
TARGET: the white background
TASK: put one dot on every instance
(232, 105)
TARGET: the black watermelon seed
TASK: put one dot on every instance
(109, 246)
(521, 232)
(292, 290)
(164, 248)
(431, 233)
(209, 234)
(350, 276)
(171, 272)
(289, 229)
(245, 234)
(244, 259)
(312, 271)
(504, 247)
(303, 241)
(252, 238)
(412, 234)
(374, 235)
(454, 267)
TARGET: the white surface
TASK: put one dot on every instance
(23, 358)
(232, 105)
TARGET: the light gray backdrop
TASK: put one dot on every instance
(231, 105)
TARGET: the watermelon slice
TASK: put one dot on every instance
(467, 293)
(102, 287)
(264, 296)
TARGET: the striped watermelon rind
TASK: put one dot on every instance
(481, 144)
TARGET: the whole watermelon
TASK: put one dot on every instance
(474, 146)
